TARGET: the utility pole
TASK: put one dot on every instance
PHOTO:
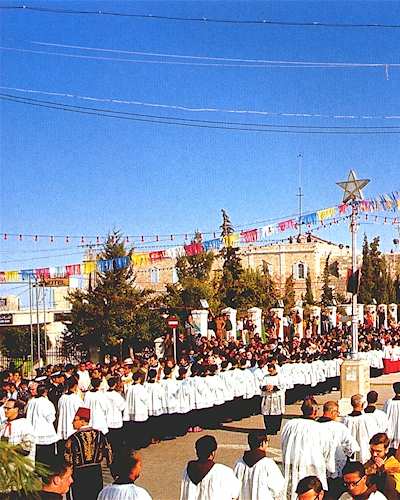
(31, 321)
(37, 321)
(44, 320)
(300, 194)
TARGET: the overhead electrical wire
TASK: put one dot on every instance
(204, 19)
(192, 109)
(197, 123)
(317, 64)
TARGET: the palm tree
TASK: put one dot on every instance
(18, 479)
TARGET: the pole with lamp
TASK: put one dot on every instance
(354, 376)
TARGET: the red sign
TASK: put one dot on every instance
(172, 322)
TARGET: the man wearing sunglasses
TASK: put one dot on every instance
(357, 486)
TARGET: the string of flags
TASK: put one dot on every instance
(313, 221)
(386, 202)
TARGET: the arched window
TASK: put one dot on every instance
(155, 276)
(299, 271)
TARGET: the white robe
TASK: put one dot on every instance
(137, 404)
(68, 405)
(41, 413)
(98, 405)
(362, 431)
(378, 421)
(392, 410)
(155, 398)
(263, 481)
(21, 433)
(343, 444)
(376, 495)
(273, 403)
(116, 408)
(123, 492)
(83, 380)
(219, 484)
(306, 451)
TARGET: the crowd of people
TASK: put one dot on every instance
(87, 413)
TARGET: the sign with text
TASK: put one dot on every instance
(6, 319)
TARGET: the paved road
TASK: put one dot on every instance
(163, 463)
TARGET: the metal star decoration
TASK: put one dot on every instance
(352, 187)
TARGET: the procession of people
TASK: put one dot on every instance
(91, 413)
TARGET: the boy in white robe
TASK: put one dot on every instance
(203, 479)
(342, 442)
(137, 412)
(41, 414)
(360, 426)
(97, 402)
(306, 449)
(378, 419)
(68, 405)
(273, 401)
(259, 475)
(155, 393)
(115, 411)
(126, 469)
(392, 410)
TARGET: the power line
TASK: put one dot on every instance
(322, 64)
(191, 109)
(208, 124)
(259, 22)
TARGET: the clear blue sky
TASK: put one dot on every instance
(67, 173)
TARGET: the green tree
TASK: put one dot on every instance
(113, 309)
(230, 283)
(194, 283)
(16, 342)
(289, 296)
(366, 284)
(327, 297)
(256, 289)
(309, 297)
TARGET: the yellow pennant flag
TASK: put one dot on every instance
(12, 276)
(89, 266)
(326, 213)
(140, 259)
(231, 239)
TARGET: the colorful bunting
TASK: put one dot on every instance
(249, 236)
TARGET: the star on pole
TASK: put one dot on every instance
(352, 187)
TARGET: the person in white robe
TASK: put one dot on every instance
(97, 402)
(378, 419)
(306, 449)
(68, 405)
(392, 410)
(260, 477)
(155, 405)
(203, 479)
(355, 480)
(83, 378)
(342, 442)
(17, 430)
(136, 412)
(360, 426)
(115, 410)
(273, 400)
(126, 469)
(41, 414)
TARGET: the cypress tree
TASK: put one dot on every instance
(309, 297)
(366, 281)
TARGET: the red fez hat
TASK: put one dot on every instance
(83, 413)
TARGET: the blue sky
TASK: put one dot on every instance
(68, 173)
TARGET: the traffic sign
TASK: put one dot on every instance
(172, 322)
